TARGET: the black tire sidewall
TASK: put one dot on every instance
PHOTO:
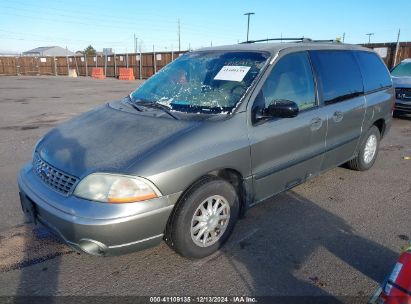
(363, 165)
(181, 228)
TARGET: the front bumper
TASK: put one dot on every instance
(97, 228)
(402, 106)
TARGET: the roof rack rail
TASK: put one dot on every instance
(292, 39)
(327, 40)
(302, 39)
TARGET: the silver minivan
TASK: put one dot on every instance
(213, 133)
(401, 78)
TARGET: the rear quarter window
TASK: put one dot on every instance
(375, 74)
(338, 75)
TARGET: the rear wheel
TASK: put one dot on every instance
(204, 218)
(368, 151)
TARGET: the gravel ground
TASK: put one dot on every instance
(337, 235)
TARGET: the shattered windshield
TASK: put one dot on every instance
(212, 82)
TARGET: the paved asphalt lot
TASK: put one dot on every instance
(338, 234)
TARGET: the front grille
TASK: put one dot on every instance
(403, 93)
(54, 178)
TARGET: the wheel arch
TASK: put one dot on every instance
(381, 125)
(232, 176)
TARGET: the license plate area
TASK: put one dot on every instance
(28, 207)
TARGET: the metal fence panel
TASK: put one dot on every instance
(8, 66)
(145, 63)
(404, 51)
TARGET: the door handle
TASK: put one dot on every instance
(316, 123)
(338, 116)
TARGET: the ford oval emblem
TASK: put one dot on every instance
(45, 173)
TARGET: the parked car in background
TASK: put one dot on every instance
(401, 78)
(213, 133)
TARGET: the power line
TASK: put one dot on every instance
(79, 15)
(190, 31)
(161, 29)
(103, 23)
(59, 38)
(76, 13)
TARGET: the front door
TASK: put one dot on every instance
(286, 151)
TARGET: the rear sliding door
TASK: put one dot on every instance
(342, 93)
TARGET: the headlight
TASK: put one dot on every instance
(112, 188)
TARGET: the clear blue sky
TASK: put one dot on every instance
(28, 24)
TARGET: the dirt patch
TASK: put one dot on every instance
(403, 237)
(392, 148)
(317, 281)
(18, 100)
(335, 199)
(21, 128)
(406, 131)
(29, 127)
(28, 245)
(115, 91)
(21, 100)
(45, 120)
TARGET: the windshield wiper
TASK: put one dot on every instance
(155, 105)
(133, 105)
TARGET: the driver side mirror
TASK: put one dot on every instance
(280, 108)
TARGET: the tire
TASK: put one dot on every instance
(209, 190)
(361, 162)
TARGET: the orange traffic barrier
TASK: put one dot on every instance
(97, 73)
(126, 74)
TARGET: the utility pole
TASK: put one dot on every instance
(135, 44)
(369, 37)
(343, 37)
(397, 47)
(179, 36)
(248, 22)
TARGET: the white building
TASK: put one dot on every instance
(48, 51)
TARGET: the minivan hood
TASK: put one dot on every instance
(107, 140)
(404, 82)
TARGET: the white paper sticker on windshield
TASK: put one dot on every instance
(232, 73)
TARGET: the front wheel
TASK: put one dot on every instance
(368, 151)
(204, 218)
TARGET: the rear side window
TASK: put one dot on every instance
(338, 74)
(375, 74)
